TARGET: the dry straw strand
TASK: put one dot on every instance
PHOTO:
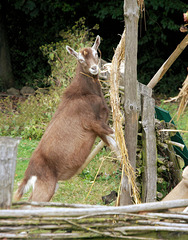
(183, 94)
(95, 179)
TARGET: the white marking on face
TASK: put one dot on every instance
(94, 69)
(81, 58)
(94, 52)
(30, 183)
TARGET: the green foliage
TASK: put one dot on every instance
(27, 70)
(108, 9)
(28, 118)
(63, 64)
(25, 38)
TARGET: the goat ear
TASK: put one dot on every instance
(72, 51)
(97, 42)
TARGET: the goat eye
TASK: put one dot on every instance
(81, 61)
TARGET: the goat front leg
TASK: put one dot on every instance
(113, 145)
(107, 135)
(100, 128)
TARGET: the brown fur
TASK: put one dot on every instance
(69, 137)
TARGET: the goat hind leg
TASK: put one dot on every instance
(44, 190)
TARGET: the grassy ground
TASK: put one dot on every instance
(76, 189)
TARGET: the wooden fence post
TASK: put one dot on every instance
(147, 112)
(8, 152)
(149, 185)
(131, 15)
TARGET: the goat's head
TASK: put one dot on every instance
(87, 57)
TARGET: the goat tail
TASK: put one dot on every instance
(24, 187)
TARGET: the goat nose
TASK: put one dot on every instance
(94, 67)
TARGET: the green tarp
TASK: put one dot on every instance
(162, 114)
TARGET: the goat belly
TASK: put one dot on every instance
(66, 148)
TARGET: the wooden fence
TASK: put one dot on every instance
(63, 221)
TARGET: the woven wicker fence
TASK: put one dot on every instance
(63, 221)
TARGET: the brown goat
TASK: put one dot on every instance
(69, 137)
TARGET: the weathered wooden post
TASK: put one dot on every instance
(8, 152)
(149, 180)
(131, 16)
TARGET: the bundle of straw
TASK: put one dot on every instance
(118, 118)
(183, 95)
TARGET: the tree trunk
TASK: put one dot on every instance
(6, 75)
(131, 15)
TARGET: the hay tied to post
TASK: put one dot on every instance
(183, 94)
(118, 118)
(183, 97)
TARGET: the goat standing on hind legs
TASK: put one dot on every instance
(81, 117)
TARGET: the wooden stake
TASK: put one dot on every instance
(96, 150)
(166, 65)
(91, 211)
(149, 183)
(131, 16)
(8, 152)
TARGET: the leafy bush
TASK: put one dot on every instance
(62, 64)
(28, 118)
(31, 71)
